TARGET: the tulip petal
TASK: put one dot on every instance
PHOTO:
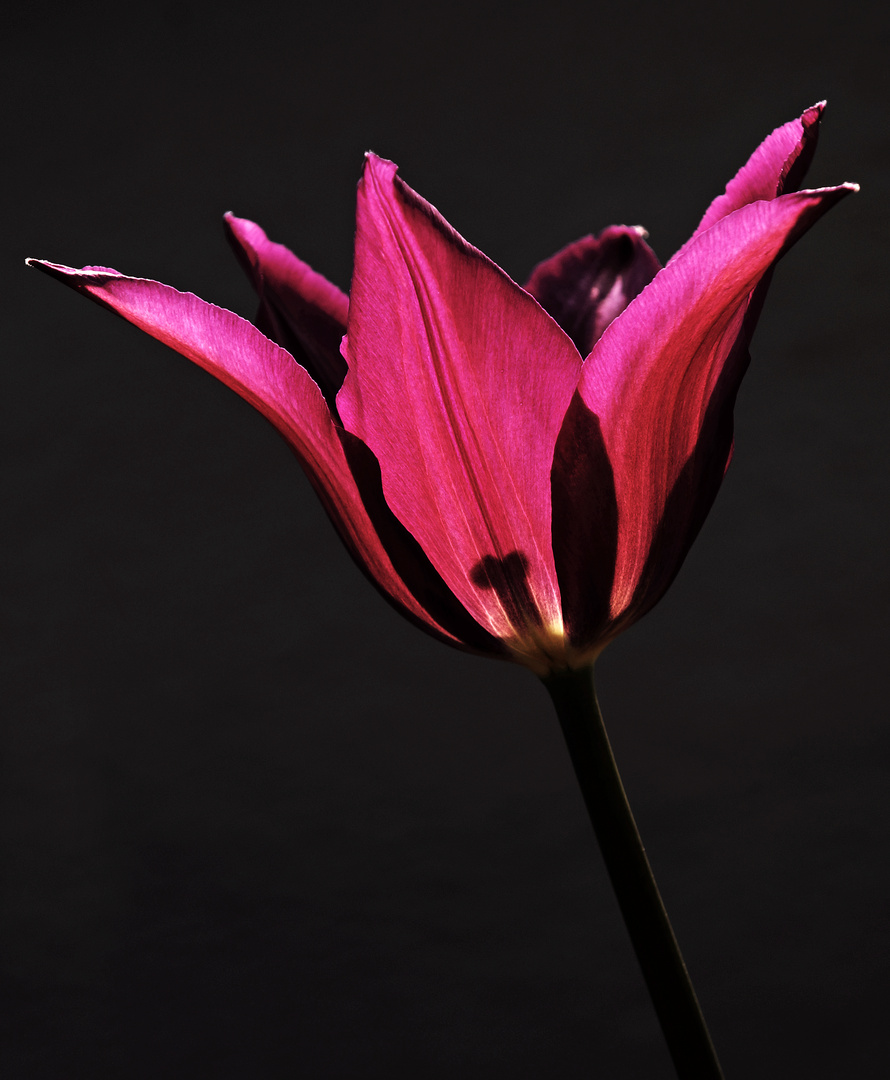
(590, 282)
(458, 382)
(299, 309)
(777, 165)
(654, 378)
(342, 471)
(585, 529)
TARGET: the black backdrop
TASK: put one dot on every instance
(256, 826)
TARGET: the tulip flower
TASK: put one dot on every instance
(520, 470)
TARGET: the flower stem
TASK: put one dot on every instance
(650, 930)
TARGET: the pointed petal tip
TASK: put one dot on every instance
(833, 192)
(810, 120)
(40, 264)
(378, 170)
(814, 112)
(63, 273)
(57, 270)
(235, 221)
(240, 231)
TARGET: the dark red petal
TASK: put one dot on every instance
(299, 309)
(343, 473)
(590, 282)
(458, 382)
(653, 375)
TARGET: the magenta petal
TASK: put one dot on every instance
(264, 374)
(590, 282)
(776, 166)
(299, 309)
(653, 376)
(458, 382)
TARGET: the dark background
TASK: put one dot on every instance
(253, 824)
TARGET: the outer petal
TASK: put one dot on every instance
(656, 371)
(299, 309)
(776, 166)
(590, 282)
(341, 469)
(458, 382)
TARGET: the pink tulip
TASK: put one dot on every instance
(520, 471)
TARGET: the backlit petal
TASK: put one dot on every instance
(776, 166)
(652, 376)
(458, 382)
(267, 376)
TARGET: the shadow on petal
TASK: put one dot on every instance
(507, 577)
(409, 559)
(694, 491)
(585, 524)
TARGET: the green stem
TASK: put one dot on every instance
(644, 915)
